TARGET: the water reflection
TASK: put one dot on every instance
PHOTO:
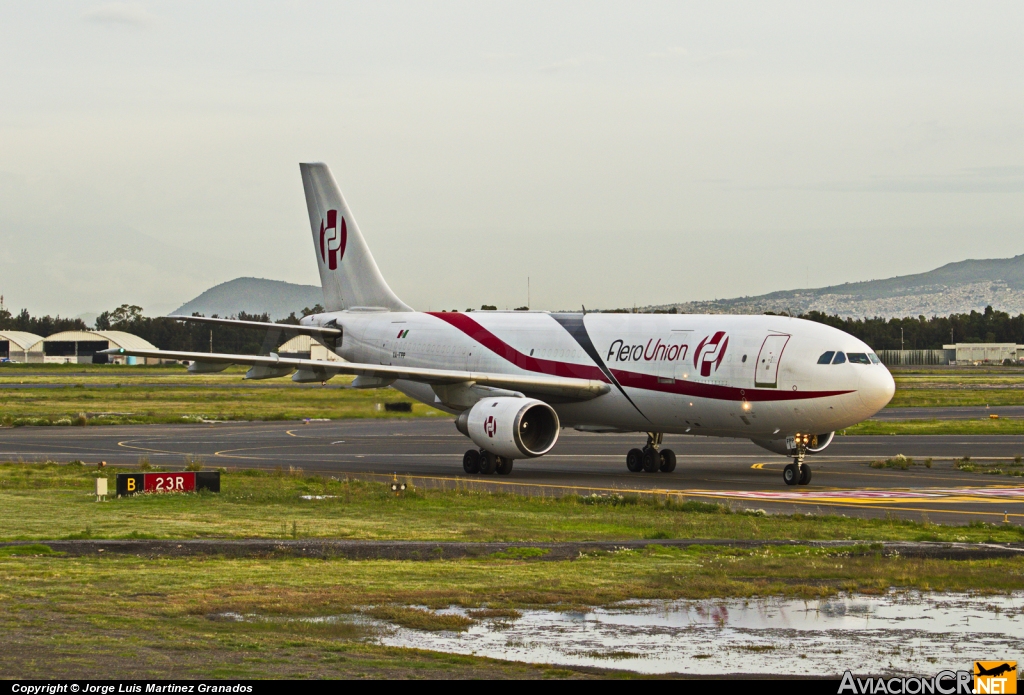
(895, 633)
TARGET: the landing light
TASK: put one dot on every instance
(746, 405)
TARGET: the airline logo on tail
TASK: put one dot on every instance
(332, 239)
(709, 353)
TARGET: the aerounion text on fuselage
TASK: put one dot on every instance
(513, 379)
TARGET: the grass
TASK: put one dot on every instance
(920, 427)
(50, 501)
(419, 618)
(124, 616)
(1011, 467)
(129, 617)
(113, 395)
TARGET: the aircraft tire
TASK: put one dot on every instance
(471, 461)
(805, 474)
(488, 462)
(635, 460)
(790, 475)
(651, 460)
(668, 461)
(504, 466)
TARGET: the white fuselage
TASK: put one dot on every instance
(755, 377)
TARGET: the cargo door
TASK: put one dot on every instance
(767, 373)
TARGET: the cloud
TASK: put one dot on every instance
(121, 13)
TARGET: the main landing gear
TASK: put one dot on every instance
(652, 457)
(798, 472)
(485, 462)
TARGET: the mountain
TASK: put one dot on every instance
(954, 288)
(254, 296)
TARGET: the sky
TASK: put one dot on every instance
(606, 154)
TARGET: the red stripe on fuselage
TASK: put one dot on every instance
(696, 389)
(636, 380)
(531, 364)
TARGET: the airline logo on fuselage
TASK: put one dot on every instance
(709, 353)
(653, 351)
(333, 239)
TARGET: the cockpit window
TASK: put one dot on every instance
(826, 357)
(840, 358)
(858, 358)
(874, 358)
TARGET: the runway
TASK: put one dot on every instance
(428, 452)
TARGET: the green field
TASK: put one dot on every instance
(126, 616)
(115, 395)
(50, 501)
(962, 427)
(957, 386)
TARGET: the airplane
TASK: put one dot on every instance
(514, 379)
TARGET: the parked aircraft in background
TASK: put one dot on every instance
(513, 379)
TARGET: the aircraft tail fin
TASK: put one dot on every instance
(348, 273)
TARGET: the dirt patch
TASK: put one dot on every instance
(429, 550)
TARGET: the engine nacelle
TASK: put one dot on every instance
(511, 427)
(779, 446)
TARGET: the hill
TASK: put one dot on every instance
(254, 296)
(954, 288)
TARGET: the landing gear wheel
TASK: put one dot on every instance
(651, 460)
(504, 466)
(790, 474)
(805, 474)
(635, 460)
(471, 461)
(488, 462)
(668, 461)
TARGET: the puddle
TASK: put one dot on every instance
(897, 633)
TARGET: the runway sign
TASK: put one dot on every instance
(184, 481)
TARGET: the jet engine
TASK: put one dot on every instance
(511, 427)
(818, 443)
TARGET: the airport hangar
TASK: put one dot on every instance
(70, 347)
(81, 347)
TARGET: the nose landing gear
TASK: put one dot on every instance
(652, 457)
(798, 472)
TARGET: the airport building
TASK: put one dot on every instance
(17, 346)
(80, 347)
(303, 347)
(985, 353)
(955, 353)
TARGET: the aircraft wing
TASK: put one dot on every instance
(563, 387)
(283, 327)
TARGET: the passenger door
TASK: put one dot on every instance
(767, 372)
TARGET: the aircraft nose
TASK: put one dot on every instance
(879, 389)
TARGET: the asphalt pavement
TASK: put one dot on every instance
(428, 452)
